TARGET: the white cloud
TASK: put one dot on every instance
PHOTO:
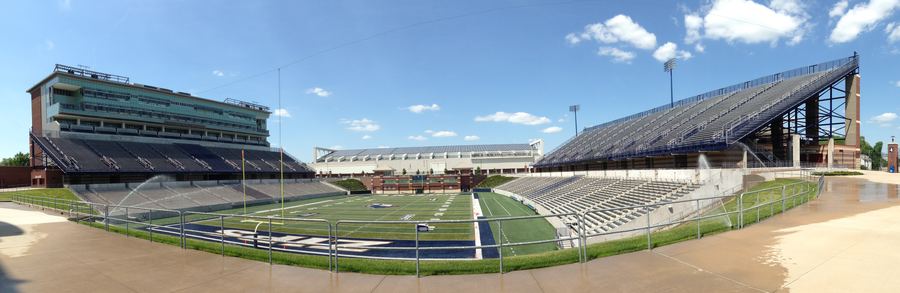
(366, 137)
(517, 117)
(422, 108)
(218, 73)
(336, 147)
(573, 39)
(318, 91)
(383, 147)
(417, 137)
(699, 48)
(363, 125)
(861, 18)
(619, 28)
(884, 119)
(49, 45)
(471, 138)
(692, 25)
(552, 129)
(442, 133)
(838, 9)
(670, 50)
(282, 113)
(893, 32)
(749, 22)
(617, 54)
(897, 83)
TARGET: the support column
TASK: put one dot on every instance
(812, 119)
(778, 138)
(830, 152)
(892, 157)
(795, 150)
(744, 160)
(852, 111)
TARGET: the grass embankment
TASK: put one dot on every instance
(837, 173)
(494, 181)
(351, 185)
(765, 203)
(61, 193)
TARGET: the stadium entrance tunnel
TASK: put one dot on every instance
(318, 245)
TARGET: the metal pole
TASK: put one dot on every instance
(671, 90)
(741, 211)
(181, 215)
(582, 236)
(649, 242)
(330, 256)
(576, 122)
(417, 249)
(270, 240)
(698, 218)
(150, 228)
(222, 229)
(336, 247)
(783, 204)
(500, 240)
(106, 216)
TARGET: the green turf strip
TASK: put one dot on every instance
(498, 206)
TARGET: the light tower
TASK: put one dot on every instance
(574, 109)
(669, 67)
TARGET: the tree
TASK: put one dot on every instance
(876, 156)
(18, 160)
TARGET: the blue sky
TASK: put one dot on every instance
(361, 74)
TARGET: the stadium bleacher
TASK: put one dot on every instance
(577, 194)
(201, 195)
(99, 156)
(706, 122)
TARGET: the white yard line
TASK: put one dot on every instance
(502, 233)
(291, 207)
(385, 215)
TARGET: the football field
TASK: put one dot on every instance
(356, 208)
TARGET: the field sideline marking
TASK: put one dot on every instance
(511, 249)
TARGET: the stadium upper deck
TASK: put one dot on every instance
(762, 113)
(94, 127)
(75, 100)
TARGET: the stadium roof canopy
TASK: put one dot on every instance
(706, 122)
(412, 151)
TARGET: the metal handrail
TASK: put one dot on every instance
(798, 191)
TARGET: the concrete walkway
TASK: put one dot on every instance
(847, 241)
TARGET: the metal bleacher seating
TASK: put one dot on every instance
(200, 195)
(707, 121)
(100, 156)
(560, 195)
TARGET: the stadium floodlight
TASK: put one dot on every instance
(669, 67)
(574, 109)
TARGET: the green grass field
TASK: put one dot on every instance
(61, 193)
(499, 206)
(357, 208)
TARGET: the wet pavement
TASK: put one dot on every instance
(846, 241)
